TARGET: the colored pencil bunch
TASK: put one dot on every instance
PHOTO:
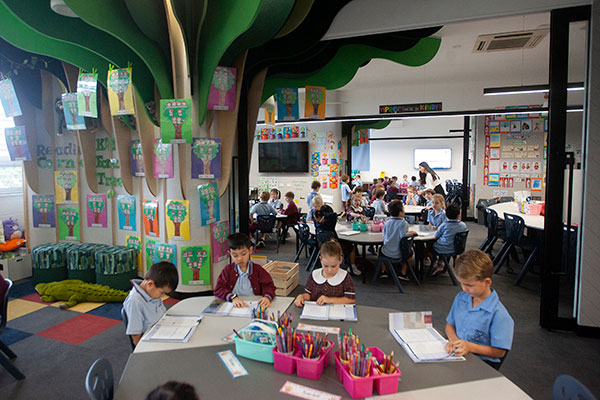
(388, 366)
(348, 343)
(360, 362)
(285, 334)
(259, 313)
(311, 345)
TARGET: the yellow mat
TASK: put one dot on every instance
(81, 307)
(17, 308)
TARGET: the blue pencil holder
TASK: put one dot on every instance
(254, 351)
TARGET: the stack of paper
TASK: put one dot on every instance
(341, 312)
(417, 336)
(174, 328)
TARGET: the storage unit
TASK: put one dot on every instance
(116, 266)
(286, 276)
(81, 261)
(50, 262)
(16, 268)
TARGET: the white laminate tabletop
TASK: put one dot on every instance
(409, 209)
(369, 237)
(212, 328)
(531, 221)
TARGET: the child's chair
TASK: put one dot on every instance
(515, 225)
(306, 242)
(125, 321)
(266, 224)
(6, 354)
(493, 231)
(369, 212)
(406, 244)
(460, 242)
(322, 237)
(99, 382)
(566, 387)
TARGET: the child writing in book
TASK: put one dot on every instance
(242, 277)
(437, 213)
(144, 306)
(329, 284)
(478, 322)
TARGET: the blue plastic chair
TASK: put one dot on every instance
(125, 321)
(6, 354)
(406, 244)
(369, 212)
(460, 243)
(568, 388)
(99, 382)
(303, 234)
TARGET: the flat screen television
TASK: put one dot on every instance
(283, 157)
(436, 158)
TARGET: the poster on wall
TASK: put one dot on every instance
(219, 232)
(135, 242)
(195, 265)
(43, 211)
(120, 91)
(287, 104)
(515, 126)
(97, 215)
(149, 245)
(270, 116)
(150, 212)
(8, 98)
(137, 159)
(315, 163)
(209, 203)
(494, 126)
(493, 180)
(526, 126)
(504, 126)
(165, 252)
(86, 94)
(222, 89)
(163, 159)
(73, 119)
(302, 132)
(66, 187)
(178, 219)
(536, 184)
(314, 104)
(206, 159)
(16, 142)
(68, 223)
(126, 212)
(495, 140)
(538, 126)
(176, 120)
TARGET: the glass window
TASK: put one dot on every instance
(11, 172)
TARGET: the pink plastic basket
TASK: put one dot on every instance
(339, 366)
(312, 368)
(384, 384)
(357, 387)
(284, 362)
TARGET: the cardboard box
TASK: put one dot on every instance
(286, 276)
(16, 268)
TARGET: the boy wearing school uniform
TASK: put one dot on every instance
(379, 204)
(346, 192)
(478, 322)
(242, 277)
(315, 186)
(393, 231)
(445, 234)
(144, 306)
(262, 208)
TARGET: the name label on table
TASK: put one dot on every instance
(304, 392)
(233, 365)
(316, 328)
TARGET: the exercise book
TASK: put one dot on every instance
(174, 328)
(337, 312)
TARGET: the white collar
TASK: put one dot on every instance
(333, 281)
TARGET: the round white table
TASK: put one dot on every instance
(531, 221)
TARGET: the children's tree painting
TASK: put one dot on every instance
(73, 119)
(126, 211)
(165, 252)
(178, 222)
(16, 141)
(43, 211)
(219, 233)
(195, 265)
(68, 225)
(86, 94)
(149, 245)
(206, 159)
(209, 203)
(8, 98)
(314, 106)
(66, 187)
(287, 104)
(150, 211)
(137, 159)
(176, 120)
(120, 92)
(163, 159)
(222, 89)
(97, 215)
(135, 242)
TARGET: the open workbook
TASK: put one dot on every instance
(225, 308)
(174, 328)
(417, 336)
(345, 312)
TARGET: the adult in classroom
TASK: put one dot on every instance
(430, 179)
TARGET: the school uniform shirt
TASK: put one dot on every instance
(436, 219)
(487, 324)
(339, 285)
(142, 310)
(292, 214)
(414, 183)
(346, 192)
(445, 235)
(260, 280)
(404, 183)
(393, 231)
(379, 206)
(429, 203)
(310, 198)
(413, 201)
(263, 208)
(276, 204)
(355, 210)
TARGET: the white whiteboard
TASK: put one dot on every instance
(436, 158)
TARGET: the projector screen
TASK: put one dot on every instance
(436, 158)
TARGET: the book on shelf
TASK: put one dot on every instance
(337, 312)
(174, 328)
(225, 308)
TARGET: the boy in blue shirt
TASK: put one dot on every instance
(478, 322)
(393, 231)
(379, 204)
(262, 208)
(315, 186)
(143, 305)
(346, 192)
(445, 235)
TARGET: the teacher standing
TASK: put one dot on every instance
(430, 179)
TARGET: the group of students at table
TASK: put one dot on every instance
(271, 205)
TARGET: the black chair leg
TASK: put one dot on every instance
(6, 350)
(395, 278)
(450, 271)
(484, 245)
(412, 273)
(14, 371)
(315, 261)
(499, 259)
(525, 268)
(378, 269)
(299, 251)
(313, 255)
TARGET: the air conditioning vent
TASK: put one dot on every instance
(509, 40)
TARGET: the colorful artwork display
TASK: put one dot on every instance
(270, 116)
(176, 120)
(314, 104)
(97, 215)
(219, 232)
(66, 187)
(43, 211)
(73, 119)
(287, 104)
(178, 219)
(86, 94)
(195, 265)
(135, 242)
(68, 223)
(206, 159)
(209, 203)
(120, 91)
(137, 159)
(222, 89)
(150, 211)
(163, 159)
(149, 245)
(165, 252)
(16, 141)
(8, 98)
(126, 212)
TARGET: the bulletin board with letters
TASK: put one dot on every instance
(515, 152)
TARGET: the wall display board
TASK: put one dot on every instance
(195, 265)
